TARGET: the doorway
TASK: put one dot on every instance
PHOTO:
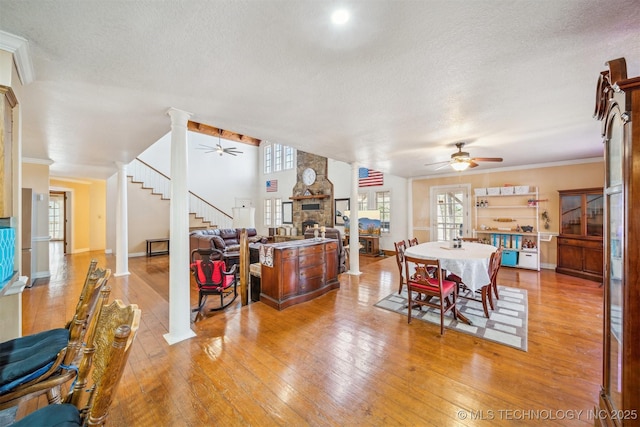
(450, 207)
(58, 218)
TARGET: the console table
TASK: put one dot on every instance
(298, 271)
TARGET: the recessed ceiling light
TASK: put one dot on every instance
(340, 16)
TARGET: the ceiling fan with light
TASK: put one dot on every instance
(461, 160)
(218, 148)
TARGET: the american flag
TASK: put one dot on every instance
(369, 177)
(272, 185)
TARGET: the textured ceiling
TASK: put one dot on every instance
(393, 89)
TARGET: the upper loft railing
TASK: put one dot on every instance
(160, 184)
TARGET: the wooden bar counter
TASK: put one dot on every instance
(298, 271)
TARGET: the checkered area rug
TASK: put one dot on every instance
(507, 324)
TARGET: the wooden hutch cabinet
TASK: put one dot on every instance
(581, 229)
(618, 107)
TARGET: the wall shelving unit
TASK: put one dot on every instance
(500, 220)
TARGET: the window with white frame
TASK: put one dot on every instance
(383, 204)
(278, 157)
(267, 212)
(278, 212)
(268, 159)
(288, 157)
(363, 201)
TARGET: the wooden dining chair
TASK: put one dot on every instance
(103, 361)
(494, 278)
(400, 248)
(484, 291)
(413, 242)
(428, 286)
(40, 363)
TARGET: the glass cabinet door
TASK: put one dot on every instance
(615, 282)
(595, 211)
(571, 209)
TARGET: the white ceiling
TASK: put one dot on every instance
(393, 89)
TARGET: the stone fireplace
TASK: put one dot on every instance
(312, 201)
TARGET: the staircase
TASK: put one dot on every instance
(160, 184)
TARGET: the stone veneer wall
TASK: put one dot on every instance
(324, 215)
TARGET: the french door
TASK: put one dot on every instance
(450, 207)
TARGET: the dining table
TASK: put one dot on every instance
(470, 262)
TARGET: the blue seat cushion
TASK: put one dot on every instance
(25, 358)
(62, 415)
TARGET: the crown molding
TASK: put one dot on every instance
(19, 47)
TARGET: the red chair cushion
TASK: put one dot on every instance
(210, 274)
(447, 286)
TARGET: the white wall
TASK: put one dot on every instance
(222, 180)
(218, 179)
(340, 174)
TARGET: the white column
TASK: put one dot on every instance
(122, 224)
(354, 235)
(179, 282)
(410, 231)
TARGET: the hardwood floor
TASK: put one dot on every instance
(338, 360)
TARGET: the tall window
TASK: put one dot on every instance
(288, 157)
(268, 159)
(449, 212)
(278, 212)
(267, 212)
(363, 201)
(383, 204)
(278, 157)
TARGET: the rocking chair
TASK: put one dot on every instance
(209, 272)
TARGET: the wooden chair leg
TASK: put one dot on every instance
(483, 291)
(495, 290)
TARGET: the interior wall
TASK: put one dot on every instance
(548, 180)
(148, 218)
(36, 177)
(218, 179)
(88, 213)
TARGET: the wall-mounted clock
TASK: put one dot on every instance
(308, 176)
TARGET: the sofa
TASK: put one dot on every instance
(333, 233)
(226, 240)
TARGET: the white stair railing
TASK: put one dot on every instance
(160, 184)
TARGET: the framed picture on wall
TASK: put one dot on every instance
(287, 212)
(342, 205)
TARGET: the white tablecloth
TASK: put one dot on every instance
(471, 263)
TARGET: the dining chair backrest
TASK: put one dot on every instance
(413, 242)
(427, 272)
(400, 248)
(428, 281)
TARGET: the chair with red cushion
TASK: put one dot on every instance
(497, 262)
(485, 290)
(428, 286)
(212, 278)
(400, 248)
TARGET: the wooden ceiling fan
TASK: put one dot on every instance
(219, 149)
(461, 160)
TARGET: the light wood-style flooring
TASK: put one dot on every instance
(338, 360)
